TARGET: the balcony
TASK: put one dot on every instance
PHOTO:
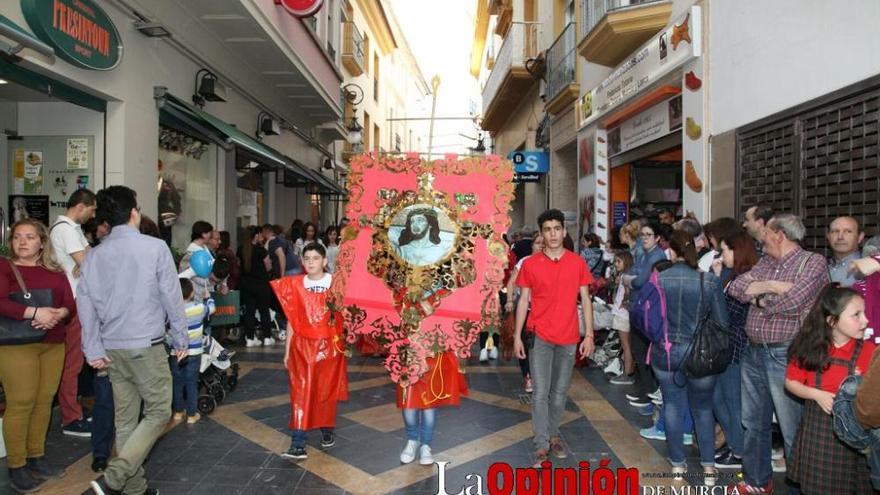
(352, 49)
(562, 83)
(509, 80)
(612, 29)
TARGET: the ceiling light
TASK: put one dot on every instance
(152, 29)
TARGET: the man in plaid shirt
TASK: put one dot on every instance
(781, 288)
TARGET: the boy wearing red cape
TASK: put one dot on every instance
(313, 356)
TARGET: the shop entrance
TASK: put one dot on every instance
(52, 143)
(644, 187)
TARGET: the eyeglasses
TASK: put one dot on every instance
(646, 234)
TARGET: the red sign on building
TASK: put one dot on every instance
(301, 8)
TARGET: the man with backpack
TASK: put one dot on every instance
(552, 281)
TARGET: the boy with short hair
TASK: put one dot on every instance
(551, 281)
(314, 352)
(185, 374)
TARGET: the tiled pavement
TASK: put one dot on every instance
(235, 449)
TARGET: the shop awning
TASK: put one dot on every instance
(174, 111)
(298, 175)
(328, 185)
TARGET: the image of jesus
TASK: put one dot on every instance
(420, 243)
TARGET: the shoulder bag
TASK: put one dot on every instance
(17, 332)
(711, 351)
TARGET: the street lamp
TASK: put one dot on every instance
(435, 84)
(354, 95)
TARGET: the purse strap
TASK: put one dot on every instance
(24, 289)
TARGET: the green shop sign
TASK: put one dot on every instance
(79, 31)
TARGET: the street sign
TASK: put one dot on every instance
(530, 162)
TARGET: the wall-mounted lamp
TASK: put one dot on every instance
(152, 29)
(354, 95)
(208, 88)
(267, 126)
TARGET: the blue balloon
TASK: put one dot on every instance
(202, 263)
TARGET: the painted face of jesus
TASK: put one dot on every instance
(418, 225)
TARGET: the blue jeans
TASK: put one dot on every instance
(728, 407)
(688, 426)
(763, 390)
(185, 384)
(680, 393)
(103, 430)
(419, 425)
(299, 437)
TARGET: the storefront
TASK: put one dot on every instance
(640, 145)
(88, 106)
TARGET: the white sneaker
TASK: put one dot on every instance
(268, 341)
(484, 355)
(409, 452)
(657, 394)
(425, 457)
(251, 342)
(615, 367)
(493, 354)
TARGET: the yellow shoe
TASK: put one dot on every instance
(177, 417)
(193, 419)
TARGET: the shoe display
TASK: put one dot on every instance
(728, 461)
(79, 428)
(425, 456)
(623, 380)
(22, 481)
(298, 453)
(42, 470)
(557, 448)
(190, 420)
(409, 452)
(484, 355)
(328, 439)
(653, 433)
(99, 464)
(527, 384)
(493, 354)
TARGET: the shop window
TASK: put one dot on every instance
(187, 185)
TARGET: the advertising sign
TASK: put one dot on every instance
(530, 162)
(652, 124)
(664, 52)
(79, 31)
(301, 8)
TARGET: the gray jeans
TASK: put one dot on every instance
(551, 366)
(137, 375)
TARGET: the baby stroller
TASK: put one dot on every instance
(218, 375)
(607, 352)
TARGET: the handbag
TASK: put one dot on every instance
(711, 351)
(17, 332)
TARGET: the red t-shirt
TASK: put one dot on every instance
(554, 291)
(836, 373)
(37, 277)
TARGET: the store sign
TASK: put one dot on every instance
(530, 162)
(79, 31)
(665, 52)
(650, 125)
(301, 8)
(526, 177)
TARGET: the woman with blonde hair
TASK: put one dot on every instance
(30, 372)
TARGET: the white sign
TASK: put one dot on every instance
(650, 125)
(662, 54)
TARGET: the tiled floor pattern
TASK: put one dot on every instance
(235, 450)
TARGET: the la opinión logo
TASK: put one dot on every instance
(504, 479)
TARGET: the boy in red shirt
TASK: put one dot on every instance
(551, 281)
